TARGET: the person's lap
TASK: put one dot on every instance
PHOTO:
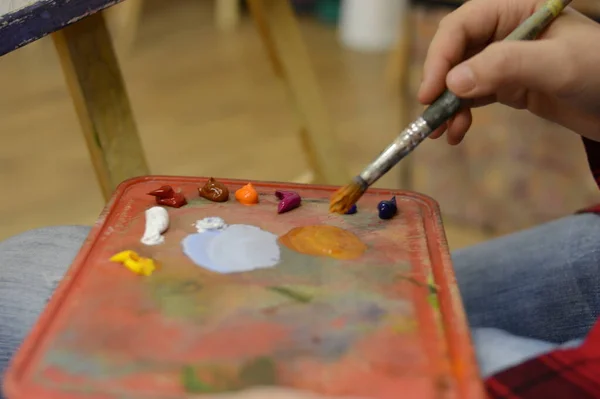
(524, 294)
(530, 292)
(542, 283)
(31, 265)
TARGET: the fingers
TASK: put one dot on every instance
(511, 64)
(483, 101)
(464, 32)
(437, 133)
(471, 25)
(456, 128)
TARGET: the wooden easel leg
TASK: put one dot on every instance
(285, 47)
(123, 21)
(397, 68)
(227, 14)
(398, 78)
(98, 91)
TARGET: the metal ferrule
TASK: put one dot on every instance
(410, 138)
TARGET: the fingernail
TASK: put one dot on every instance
(461, 79)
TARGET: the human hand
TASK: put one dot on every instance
(556, 77)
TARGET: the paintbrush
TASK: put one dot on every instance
(442, 109)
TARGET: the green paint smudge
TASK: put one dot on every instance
(259, 371)
(433, 301)
(291, 293)
(432, 298)
(433, 288)
(192, 383)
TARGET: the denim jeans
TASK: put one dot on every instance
(533, 291)
(524, 294)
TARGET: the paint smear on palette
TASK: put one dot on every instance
(237, 248)
(323, 240)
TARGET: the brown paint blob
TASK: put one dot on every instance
(247, 195)
(324, 240)
(214, 191)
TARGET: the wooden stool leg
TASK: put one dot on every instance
(227, 14)
(285, 47)
(96, 85)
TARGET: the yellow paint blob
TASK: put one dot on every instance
(324, 240)
(134, 262)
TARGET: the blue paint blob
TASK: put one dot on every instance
(352, 210)
(387, 209)
(237, 248)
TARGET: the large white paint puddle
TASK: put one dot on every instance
(237, 248)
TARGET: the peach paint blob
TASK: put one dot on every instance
(323, 240)
(247, 195)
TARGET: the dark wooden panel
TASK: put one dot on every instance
(42, 18)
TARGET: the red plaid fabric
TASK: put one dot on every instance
(564, 373)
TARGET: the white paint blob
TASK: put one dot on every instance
(238, 248)
(157, 222)
(210, 223)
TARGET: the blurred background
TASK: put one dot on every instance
(207, 103)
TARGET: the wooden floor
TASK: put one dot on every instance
(206, 104)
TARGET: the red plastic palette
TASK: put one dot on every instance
(389, 324)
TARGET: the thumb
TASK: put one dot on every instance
(534, 65)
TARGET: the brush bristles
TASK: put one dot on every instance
(345, 197)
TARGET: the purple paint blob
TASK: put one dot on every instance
(288, 200)
(353, 209)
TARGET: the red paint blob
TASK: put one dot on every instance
(165, 195)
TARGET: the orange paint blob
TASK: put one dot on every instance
(247, 195)
(324, 240)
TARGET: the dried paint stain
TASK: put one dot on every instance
(238, 248)
(259, 371)
(324, 240)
